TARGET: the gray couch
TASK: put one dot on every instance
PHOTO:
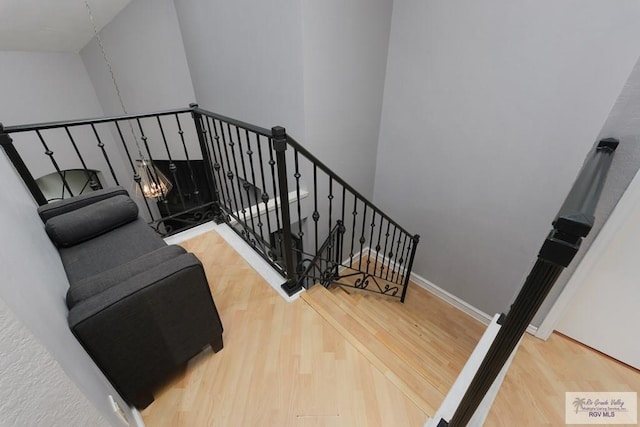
(140, 308)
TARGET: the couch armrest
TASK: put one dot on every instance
(98, 283)
(145, 328)
(51, 210)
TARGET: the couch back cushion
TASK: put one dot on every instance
(90, 221)
(93, 285)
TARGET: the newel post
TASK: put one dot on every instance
(291, 286)
(21, 168)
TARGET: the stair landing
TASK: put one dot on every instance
(419, 346)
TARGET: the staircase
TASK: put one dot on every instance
(402, 340)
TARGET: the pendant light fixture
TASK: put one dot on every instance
(149, 181)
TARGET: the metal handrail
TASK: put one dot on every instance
(97, 120)
(573, 222)
(306, 153)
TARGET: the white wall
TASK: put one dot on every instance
(245, 59)
(34, 390)
(43, 87)
(489, 110)
(345, 57)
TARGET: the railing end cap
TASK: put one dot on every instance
(610, 143)
(193, 105)
(278, 132)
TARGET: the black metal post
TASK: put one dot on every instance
(291, 286)
(573, 222)
(407, 276)
(21, 168)
(197, 119)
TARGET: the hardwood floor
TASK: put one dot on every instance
(326, 360)
(282, 364)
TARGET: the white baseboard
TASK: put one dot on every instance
(137, 417)
(453, 300)
(262, 267)
(458, 303)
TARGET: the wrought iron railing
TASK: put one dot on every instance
(572, 223)
(103, 144)
(300, 216)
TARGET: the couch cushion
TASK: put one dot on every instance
(52, 209)
(90, 221)
(109, 250)
(97, 283)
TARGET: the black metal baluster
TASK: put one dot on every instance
(136, 177)
(90, 177)
(373, 225)
(272, 163)
(394, 262)
(297, 176)
(255, 186)
(353, 228)
(222, 176)
(339, 243)
(216, 163)
(398, 265)
(342, 227)
(7, 144)
(375, 265)
(245, 184)
(230, 174)
(316, 215)
(265, 195)
(104, 153)
(384, 252)
(415, 241)
(405, 258)
(194, 183)
(213, 195)
(362, 238)
(172, 166)
(49, 153)
(151, 169)
(330, 197)
(235, 167)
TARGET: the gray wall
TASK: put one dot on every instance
(144, 46)
(41, 87)
(44, 87)
(489, 110)
(34, 390)
(623, 123)
(245, 59)
(345, 56)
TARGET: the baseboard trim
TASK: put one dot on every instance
(458, 303)
(447, 297)
(137, 417)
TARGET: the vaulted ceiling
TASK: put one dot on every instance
(52, 25)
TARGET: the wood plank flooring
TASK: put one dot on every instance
(282, 364)
(327, 360)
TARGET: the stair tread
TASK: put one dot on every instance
(407, 339)
(421, 391)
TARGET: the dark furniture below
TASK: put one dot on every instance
(140, 308)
